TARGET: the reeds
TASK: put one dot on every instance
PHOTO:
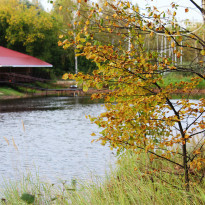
(134, 182)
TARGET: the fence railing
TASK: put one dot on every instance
(16, 77)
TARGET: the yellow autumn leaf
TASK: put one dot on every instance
(103, 142)
(60, 43)
(78, 13)
(197, 151)
(82, 40)
(65, 41)
(114, 15)
(60, 8)
(128, 4)
(202, 52)
(65, 76)
(179, 38)
(79, 46)
(202, 126)
(77, 38)
(85, 87)
(178, 54)
(172, 44)
(198, 165)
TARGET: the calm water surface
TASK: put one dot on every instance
(56, 142)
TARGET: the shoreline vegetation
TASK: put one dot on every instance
(196, 94)
(7, 92)
(13, 94)
(132, 182)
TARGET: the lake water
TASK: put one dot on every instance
(51, 136)
(56, 142)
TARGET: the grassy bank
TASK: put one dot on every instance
(20, 91)
(176, 78)
(133, 182)
(6, 91)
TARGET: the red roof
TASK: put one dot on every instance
(10, 58)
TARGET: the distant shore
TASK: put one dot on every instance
(195, 92)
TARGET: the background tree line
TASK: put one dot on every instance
(27, 28)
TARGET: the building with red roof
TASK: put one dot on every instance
(16, 66)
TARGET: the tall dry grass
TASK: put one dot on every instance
(134, 182)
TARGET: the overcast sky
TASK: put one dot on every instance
(193, 14)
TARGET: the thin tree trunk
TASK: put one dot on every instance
(181, 57)
(184, 147)
(162, 46)
(186, 171)
(165, 45)
(175, 56)
(184, 152)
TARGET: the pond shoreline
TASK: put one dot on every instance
(91, 91)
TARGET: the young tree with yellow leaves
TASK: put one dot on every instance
(140, 113)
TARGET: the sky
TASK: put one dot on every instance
(192, 15)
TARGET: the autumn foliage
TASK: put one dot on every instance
(140, 112)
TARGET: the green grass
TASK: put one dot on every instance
(21, 91)
(176, 78)
(7, 91)
(133, 182)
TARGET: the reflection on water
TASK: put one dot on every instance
(48, 103)
(56, 141)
